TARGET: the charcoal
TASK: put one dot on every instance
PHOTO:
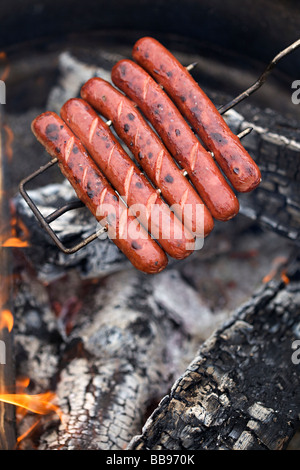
(128, 343)
(111, 348)
(241, 391)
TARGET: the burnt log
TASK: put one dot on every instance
(242, 389)
(123, 353)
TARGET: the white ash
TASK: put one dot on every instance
(73, 74)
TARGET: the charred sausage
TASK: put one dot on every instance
(235, 161)
(178, 138)
(94, 190)
(126, 178)
(150, 153)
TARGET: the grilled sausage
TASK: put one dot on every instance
(94, 190)
(238, 166)
(150, 153)
(127, 179)
(178, 138)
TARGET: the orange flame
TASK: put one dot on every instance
(41, 404)
(8, 141)
(27, 432)
(276, 264)
(6, 71)
(16, 227)
(284, 277)
(15, 242)
(6, 320)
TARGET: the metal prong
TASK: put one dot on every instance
(245, 132)
(191, 66)
(108, 123)
(184, 172)
(62, 210)
(261, 80)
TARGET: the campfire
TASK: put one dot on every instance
(95, 354)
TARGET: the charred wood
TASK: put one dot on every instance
(111, 348)
(242, 389)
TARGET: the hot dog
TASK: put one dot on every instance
(238, 166)
(94, 190)
(178, 138)
(127, 179)
(150, 153)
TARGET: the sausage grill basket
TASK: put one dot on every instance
(45, 221)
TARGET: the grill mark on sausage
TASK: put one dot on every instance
(84, 175)
(102, 196)
(68, 148)
(137, 135)
(120, 107)
(123, 223)
(93, 129)
(158, 166)
(110, 154)
(145, 88)
(193, 155)
(151, 200)
(128, 181)
(184, 198)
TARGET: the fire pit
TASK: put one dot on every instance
(99, 355)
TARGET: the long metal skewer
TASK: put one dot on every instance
(261, 80)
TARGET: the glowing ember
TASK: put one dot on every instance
(284, 277)
(6, 320)
(277, 263)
